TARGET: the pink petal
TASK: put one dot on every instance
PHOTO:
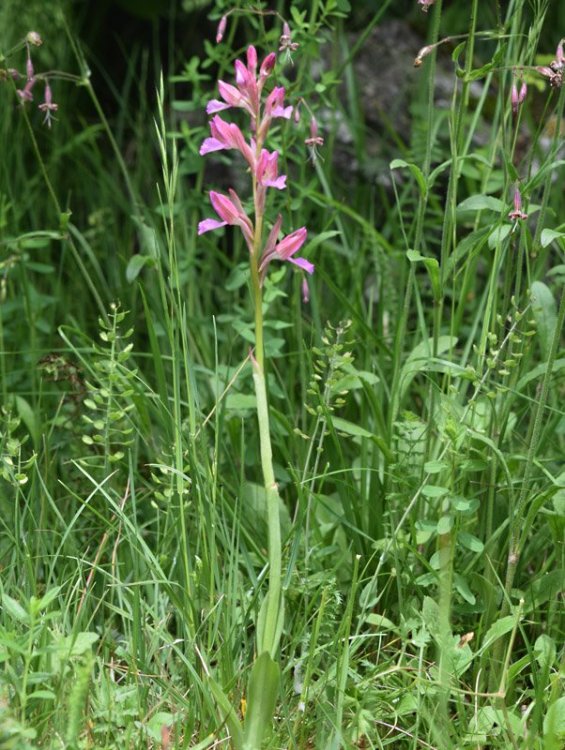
(269, 249)
(225, 209)
(251, 58)
(279, 183)
(209, 224)
(303, 264)
(285, 112)
(215, 105)
(241, 73)
(267, 65)
(291, 244)
(230, 94)
(211, 144)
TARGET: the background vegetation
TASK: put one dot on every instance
(416, 399)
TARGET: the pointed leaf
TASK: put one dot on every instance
(261, 700)
(227, 714)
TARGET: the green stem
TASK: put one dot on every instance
(269, 634)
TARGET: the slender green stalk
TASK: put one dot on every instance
(273, 607)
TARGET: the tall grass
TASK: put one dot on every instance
(415, 401)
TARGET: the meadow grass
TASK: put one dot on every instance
(415, 402)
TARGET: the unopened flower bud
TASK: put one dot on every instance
(29, 68)
(252, 58)
(424, 52)
(267, 65)
(305, 291)
(559, 54)
(518, 96)
(34, 38)
(221, 29)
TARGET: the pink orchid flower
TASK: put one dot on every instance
(227, 135)
(267, 170)
(248, 87)
(285, 249)
(230, 212)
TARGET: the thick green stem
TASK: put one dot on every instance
(269, 633)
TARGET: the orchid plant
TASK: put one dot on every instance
(264, 245)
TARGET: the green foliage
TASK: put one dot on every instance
(418, 446)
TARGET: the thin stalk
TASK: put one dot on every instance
(271, 630)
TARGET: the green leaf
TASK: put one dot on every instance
(420, 359)
(44, 695)
(481, 203)
(261, 700)
(240, 401)
(135, 265)
(554, 725)
(239, 276)
(29, 418)
(550, 235)
(415, 170)
(350, 428)
(498, 629)
(470, 542)
(545, 314)
(435, 467)
(498, 234)
(320, 238)
(445, 523)
(432, 267)
(14, 609)
(271, 644)
(545, 651)
(462, 587)
(471, 245)
(227, 714)
(381, 622)
(47, 598)
(433, 491)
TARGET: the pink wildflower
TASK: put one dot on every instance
(227, 135)
(48, 105)
(517, 213)
(274, 107)
(25, 93)
(267, 171)
(285, 249)
(246, 92)
(231, 212)
(285, 42)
